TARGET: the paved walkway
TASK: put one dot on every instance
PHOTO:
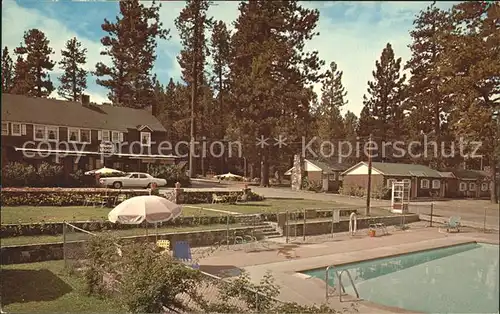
(285, 261)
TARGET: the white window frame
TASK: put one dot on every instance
(44, 128)
(89, 137)
(389, 183)
(106, 138)
(115, 137)
(436, 184)
(77, 130)
(56, 128)
(462, 186)
(472, 186)
(485, 186)
(12, 124)
(149, 137)
(5, 128)
(426, 185)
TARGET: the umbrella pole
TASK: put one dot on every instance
(156, 230)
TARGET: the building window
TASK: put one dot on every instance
(105, 136)
(424, 184)
(15, 129)
(73, 135)
(484, 186)
(463, 186)
(84, 136)
(332, 177)
(145, 139)
(39, 132)
(115, 136)
(389, 183)
(436, 184)
(472, 186)
(5, 128)
(53, 133)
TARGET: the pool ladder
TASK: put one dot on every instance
(339, 286)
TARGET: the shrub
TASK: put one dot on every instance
(18, 174)
(172, 174)
(15, 174)
(49, 175)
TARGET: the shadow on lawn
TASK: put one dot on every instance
(21, 286)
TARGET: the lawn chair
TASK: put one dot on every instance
(182, 252)
(120, 198)
(242, 198)
(98, 200)
(453, 224)
(164, 244)
(217, 199)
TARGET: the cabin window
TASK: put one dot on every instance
(53, 133)
(39, 132)
(436, 184)
(145, 139)
(472, 186)
(115, 136)
(85, 136)
(105, 136)
(463, 186)
(484, 186)
(73, 135)
(5, 128)
(15, 129)
(424, 184)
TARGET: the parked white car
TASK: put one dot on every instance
(132, 180)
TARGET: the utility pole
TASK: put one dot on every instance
(369, 187)
(194, 87)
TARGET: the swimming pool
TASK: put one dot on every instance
(458, 279)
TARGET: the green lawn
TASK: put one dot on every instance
(274, 205)
(23, 240)
(46, 288)
(33, 214)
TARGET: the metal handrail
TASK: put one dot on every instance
(340, 287)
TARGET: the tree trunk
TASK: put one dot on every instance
(494, 189)
(264, 169)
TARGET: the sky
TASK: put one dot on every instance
(352, 34)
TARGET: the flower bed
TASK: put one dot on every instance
(58, 196)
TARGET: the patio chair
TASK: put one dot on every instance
(165, 244)
(242, 198)
(120, 198)
(182, 253)
(453, 224)
(98, 200)
(217, 199)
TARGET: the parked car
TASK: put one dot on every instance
(132, 180)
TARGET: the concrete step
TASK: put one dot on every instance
(267, 234)
(273, 236)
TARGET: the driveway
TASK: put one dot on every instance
(468, 210)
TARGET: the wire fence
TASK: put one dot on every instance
(74, 244)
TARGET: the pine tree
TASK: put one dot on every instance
(74, 79)
(428, 104)
(131, 43)
(270, 73)
(382, 107)
(32, 78)
(7, 71)
(219, 45)
(470, 67)
(330, 122)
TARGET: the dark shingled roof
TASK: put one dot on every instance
(19, 108)
(469, 174)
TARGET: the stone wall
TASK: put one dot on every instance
(325, 227)
(54, 251)
(297, 172)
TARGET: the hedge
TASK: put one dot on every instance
(58, 196)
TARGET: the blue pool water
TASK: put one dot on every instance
(458, 279)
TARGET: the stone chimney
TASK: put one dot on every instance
(297, 172)
(85, 99)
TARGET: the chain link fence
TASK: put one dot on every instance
(74, 243)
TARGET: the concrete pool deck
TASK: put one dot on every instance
(285, 261)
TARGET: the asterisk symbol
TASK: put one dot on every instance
(262, 141)
(280, 141)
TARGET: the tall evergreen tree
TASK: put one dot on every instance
(270, 72)
(32, 78)
(428, 104)
(191, 24)
(470, 67)
(330, 122)
(131, 43)
(7, 71)
(74, 79)
(382, 106)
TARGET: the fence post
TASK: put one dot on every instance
(432, 210)
(304, 227)
(227, 231)
(64, 243)
(484, 221)
(287, 226)
(333, 218)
